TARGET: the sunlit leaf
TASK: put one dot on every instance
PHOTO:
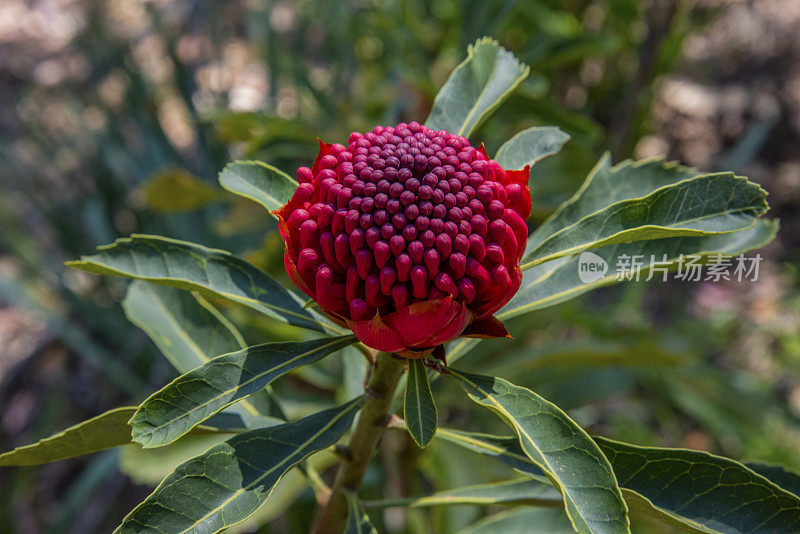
(523, 521)
(503, 448)
(150, 466)
(258, 181)
(191, 266)
(189, 331)
(557, 445)
(530, 146)
(523, 491)
(476, 87)
(606, 185)
(354, 371)
(419, 407)
(230, 481)
(554, 282)
(105, 431)
(703, 205)
(195, 396)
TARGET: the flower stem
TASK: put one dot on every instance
(371, 423)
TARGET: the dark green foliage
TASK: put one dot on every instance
(332, 68)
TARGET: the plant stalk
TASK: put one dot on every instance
(371, 423)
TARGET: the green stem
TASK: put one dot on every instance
(371, 424)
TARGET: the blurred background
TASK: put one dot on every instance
(117, 115)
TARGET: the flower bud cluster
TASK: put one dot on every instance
(402, 215)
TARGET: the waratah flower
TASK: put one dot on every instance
(408, 236)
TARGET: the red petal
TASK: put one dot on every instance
(482, 150)
(282, 214)
(324, 150)
(524, 205)
(375, 334)
(421, 325)
(430, 322)
(486, 328)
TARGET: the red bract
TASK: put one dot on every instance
(408, 236)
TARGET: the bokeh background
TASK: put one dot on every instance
(116, 116)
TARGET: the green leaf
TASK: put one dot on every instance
(705, 205)
(524, 491)
(777, 475)
(556, 444)
(606, 185)
(96, 434)
(701, 491)
(150, 466)
(235, 419)
(476, 87)
(554, 282)
(177, 190)
(523, 521)
(111, 429)
(530, 146)
(696, 491)
(189, 331)
(230, 481)
(354, 369)
(195, 396)
(505, 449)
(189, 266)
(419, 408)
(357, 519)
(258, 181)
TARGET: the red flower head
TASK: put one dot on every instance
(408, 236)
